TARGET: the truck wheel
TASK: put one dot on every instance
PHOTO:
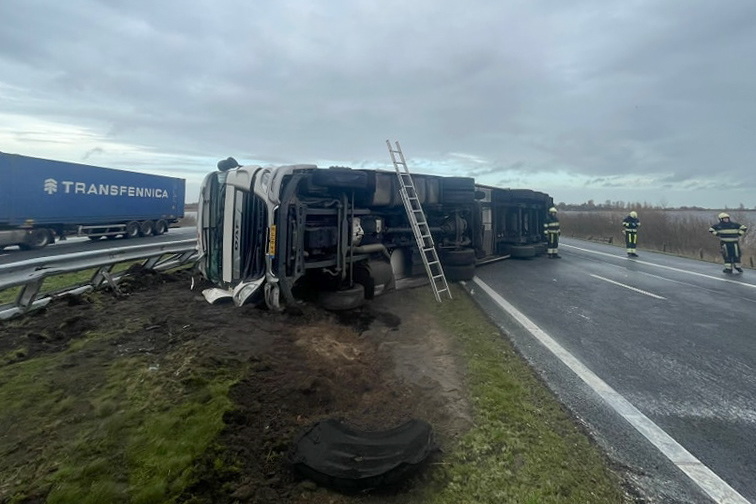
(147, 228)
(523, 251)
(343, 178)
(37, 239)
(457, 256)
(459, 273)
(132, 230)
(341, 300)
(161, 227)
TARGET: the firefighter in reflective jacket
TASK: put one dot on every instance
(631, 225)
(729, 234)
(551, 229)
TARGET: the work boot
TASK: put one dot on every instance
(557, 256)
(740, 270)
(727, 270)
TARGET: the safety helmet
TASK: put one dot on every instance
(634, 214)
(723, 215)
(552, 210)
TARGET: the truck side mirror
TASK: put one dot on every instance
(228, 164)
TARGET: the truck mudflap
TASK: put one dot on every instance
(336, 455)
(240, 294)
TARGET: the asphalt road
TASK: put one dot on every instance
(655, 355)
(14, 254)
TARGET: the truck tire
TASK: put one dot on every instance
(341, 300)
(37, 239)
(522, 251)
(161, 227)
(132, 230)
(147, 228)
(343, 178)
(459, 273)
(455, 197)
(457, 256)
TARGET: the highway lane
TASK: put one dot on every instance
(81, 244)
(673, 337)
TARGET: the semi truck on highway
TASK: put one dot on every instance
(42, 199)
(341, 236)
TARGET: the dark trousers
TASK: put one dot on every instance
(631, 240)
(553, 244)
(730, 253)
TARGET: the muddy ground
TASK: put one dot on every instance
(373, 368)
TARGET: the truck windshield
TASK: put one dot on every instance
(234, 225)
(211, 225)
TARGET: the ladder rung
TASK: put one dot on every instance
(438, 276)
(431, 263)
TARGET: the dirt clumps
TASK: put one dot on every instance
(373, 368)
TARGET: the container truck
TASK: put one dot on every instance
(340, 236)
(41, 199)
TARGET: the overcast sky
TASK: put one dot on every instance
(629, 100)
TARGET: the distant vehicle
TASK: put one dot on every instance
(342, 235)
(42, 199)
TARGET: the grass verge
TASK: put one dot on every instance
(92, 426)
(524, 447)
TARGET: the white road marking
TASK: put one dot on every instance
(614, 256)
(628, 287)
(701, 475)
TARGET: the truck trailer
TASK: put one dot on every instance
(42, 199)
(340, 236)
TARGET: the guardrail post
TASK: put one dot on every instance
(28, 294)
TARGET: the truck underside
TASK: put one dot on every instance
(340, 236)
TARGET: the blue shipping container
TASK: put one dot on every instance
(37, 192)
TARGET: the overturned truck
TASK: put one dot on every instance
(341, 236)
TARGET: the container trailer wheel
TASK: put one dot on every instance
(147, 228)
(132, 230)
(161, 227)
(37, 239)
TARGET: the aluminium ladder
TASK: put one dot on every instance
(419, 224)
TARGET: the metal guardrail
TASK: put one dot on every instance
(31, 274)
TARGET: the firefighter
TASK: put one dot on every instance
(729, 234)
(631, 225)
(551, 229)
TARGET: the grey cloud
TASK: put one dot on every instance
(594, 89)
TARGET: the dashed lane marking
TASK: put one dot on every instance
(635, 289)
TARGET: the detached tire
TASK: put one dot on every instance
(341, 300)
(459, 273)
